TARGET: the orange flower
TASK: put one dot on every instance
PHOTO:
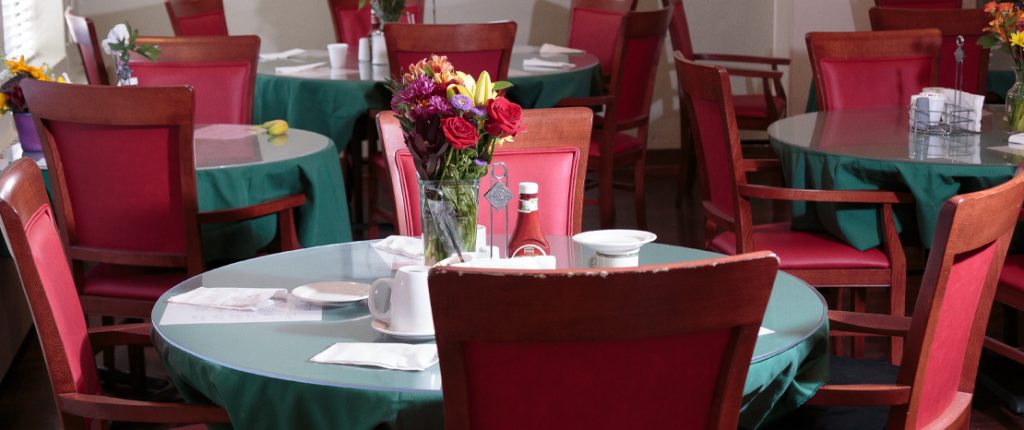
(990, 7)
(1005, 7)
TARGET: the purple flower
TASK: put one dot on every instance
(479, 162)
(462, 102)
(417, 92)
(479, 111)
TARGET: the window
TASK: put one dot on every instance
(19, 28)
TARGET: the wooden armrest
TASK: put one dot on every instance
(749, 73)
(253, 211)
(861, 395)
(584, 101)
(115, 409)
(732, 58)
(886, 325)
(123, 334)
(761, 164)
(134, 258)
(839, 196)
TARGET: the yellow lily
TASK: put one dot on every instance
(479, 90)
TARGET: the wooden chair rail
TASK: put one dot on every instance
(733, 58)
(253, 211)
(123, 334)
(886, 325)
(115, 409)
(136, 258)
(861, 395)
(767, 192)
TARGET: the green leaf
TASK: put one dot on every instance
(500, 85)
(988, 40)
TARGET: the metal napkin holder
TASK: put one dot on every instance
(954, 117)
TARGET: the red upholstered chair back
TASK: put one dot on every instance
(514, 370)
(197, 17)
(708, 99)
(948, 327)
(28, 225)
(952, 23)
(679, 30)
(635, 65)
(221, 70)
(83, 33)
(872, 68)
(552, 152)
(123, 176)
(594, 27)
(921, 4)
(471, 48)
(352, 22)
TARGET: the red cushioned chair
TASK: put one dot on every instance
(221, 70)
(627, 107)
(471, 48)
(968, 23)
(594, 27)
(921, 4)
(819, 259)
(552, 151)
(124, 185)
(864, 69)
(28, 224)
(548, 366)
(83, 33)
(1010, 293)
(933, 387)
(197, 17)
(352, 22)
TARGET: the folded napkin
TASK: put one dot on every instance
(287, 70)
(1017, 139)
(549, 49)
(398, 356)
(405, 246)
(972, 103)
(537, 63)
(282, 55)
(242, 299)
(544, 262)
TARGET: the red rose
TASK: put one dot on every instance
(459, 132)
(503, 117)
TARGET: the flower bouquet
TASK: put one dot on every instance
(12, 100)
(1006, 32)
(452, 123)
(120, 43)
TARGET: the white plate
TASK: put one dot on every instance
(615, 242)
(332, 292)
(382, 327)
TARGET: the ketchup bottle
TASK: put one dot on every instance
(528, 239)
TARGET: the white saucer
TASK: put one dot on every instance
(615, 242)
(332, 292)
(382, 327)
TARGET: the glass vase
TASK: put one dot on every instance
(123, 71)
(448, 217)
(1015, 100)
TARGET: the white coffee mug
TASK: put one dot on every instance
(408, 302)
(338, 54)
(611, 261)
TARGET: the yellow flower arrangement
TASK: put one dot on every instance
(11, 99)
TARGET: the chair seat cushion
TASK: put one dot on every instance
(131, 282)
(1013, 272)
(804, 250)
(753, 105)
(624, 143)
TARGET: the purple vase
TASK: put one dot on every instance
(27, 132)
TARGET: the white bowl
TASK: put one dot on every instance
(615, 242)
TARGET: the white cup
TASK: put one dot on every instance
(481, 238)
(407, 309)
(338, 54)
(364, 49)
(379, 48)
(611, 261)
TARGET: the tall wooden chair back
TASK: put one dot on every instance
(220, 69)
(873, 68)
(31, 235)
(952, 23)
(552, 151)
(921, 4)
(352, 22)
(83, 33)
(507, 370)
(471, 48)
(594, 27)
(197, 17)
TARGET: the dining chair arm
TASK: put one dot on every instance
(768, 192)
(770, 80)
(585, 101)
(881, 324)
(861, 395)
(761, 164)
(122, 334)
(134, 257)
(253, 211)
(717, 217)
(116, 409)
(733, 58)
(751, 73)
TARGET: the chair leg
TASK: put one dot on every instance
(606, 193)
(286, 230)
(639, 196)
(838, 297)
(686, 157)
(108, 352)
(859, 299)
(897, 307)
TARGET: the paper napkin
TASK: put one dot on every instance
(548, 49)
(537, 63)
(406, 246)
(971, 102)
(243, 299)
(1017, 139)
(398, 356)
(282, 55)
(287, 70)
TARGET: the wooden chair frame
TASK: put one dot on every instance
(966, 223)
(621, 7)
(1015, 299)
(21, 196)
(189, 8)
(464, 299)
(545, 128)
(83, 34)
(492, 36)
(137, 106)
(920, 4)
(334, 5)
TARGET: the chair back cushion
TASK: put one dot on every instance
(471, 48)
(83, 33)
(197, 17)
(352, 24)
(636, 63)
(595, 31)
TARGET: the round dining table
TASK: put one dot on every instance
(261, 372)
(873, 149)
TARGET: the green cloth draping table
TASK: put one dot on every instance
(872, 149)
(261, 373)
(330, 102)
